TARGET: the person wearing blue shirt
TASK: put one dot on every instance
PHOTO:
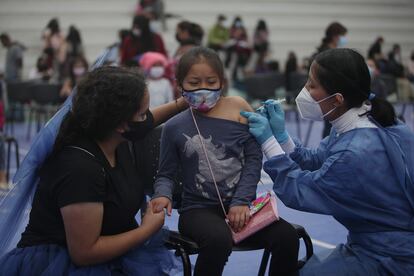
(361, 174)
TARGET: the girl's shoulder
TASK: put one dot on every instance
(231, 107)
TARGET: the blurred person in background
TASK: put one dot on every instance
(14, 58)
(140, 40)
(218, 34)
(188, 35)
(395, 66)
(71, 48)
(375, 51)
(160, 90)
(238, 47)
(378, 85)
(335, 37)
(78, 67)
(410, 67)
(261, 45)
(290, 67)
(53, 40)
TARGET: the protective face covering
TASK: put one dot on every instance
(138, 130)
(202, 99)
(342, 41)
(136, 32)
(79, 71)
(156, 72)
(309, 109)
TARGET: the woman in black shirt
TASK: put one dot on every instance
(83, 212)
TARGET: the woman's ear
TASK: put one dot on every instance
(339, 100)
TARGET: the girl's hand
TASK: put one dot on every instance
(152, 221)
(238, 217)
(158, 204)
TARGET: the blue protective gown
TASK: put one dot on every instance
(364, 179)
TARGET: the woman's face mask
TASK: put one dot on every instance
(139, 129)
(202, 99)
(343, 41)
(79, 71)
(310, 109)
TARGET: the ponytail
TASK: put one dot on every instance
(383, 112)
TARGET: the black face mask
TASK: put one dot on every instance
(138, 130)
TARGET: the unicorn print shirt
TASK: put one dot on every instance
(234, 155)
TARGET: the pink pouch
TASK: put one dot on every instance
(259, 220)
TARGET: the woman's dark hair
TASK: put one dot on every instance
(334, 29)
(345, 71)
(105, 98)
(146, 39)
(53, 26)
(261, 25)
(196, 55)
(74, 38)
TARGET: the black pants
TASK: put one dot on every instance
(208, 228)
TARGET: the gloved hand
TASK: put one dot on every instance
(277, 120)
(258, 126)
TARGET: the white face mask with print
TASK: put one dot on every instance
(309, 109)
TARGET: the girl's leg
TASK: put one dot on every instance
(208, 228)
(281, 238)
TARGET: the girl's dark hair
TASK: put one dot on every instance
(345, 71)
(53, 26)
(334, 29)
(196, 55)
(105, 98)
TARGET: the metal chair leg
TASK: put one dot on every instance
(264, 262)
(186, 261)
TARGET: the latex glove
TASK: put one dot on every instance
(258, 126)
(276, 115)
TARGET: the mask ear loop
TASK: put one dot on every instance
(327, 98)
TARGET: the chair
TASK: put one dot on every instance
(146, 154)
(46, 98)
(263, 86)
(18, 95)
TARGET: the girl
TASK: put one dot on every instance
(159, 87)
(236, 161)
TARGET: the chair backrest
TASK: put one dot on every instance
(45, 93)
(147, 152)
(18, 92)
(263, 86)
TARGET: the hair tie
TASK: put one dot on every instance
(371, 96)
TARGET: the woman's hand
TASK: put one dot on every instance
(158, 204)
(276, 116)
(152, 221)
(258, 126)
(238, 217)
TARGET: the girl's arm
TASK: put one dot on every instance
(163, 112)
(83, 222)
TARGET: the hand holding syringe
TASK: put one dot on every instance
(262, 110)
(273, 111)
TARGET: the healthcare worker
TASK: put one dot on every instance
(361, 174)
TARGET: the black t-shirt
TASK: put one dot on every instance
(74, 176)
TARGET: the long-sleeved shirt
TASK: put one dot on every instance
(234, 155)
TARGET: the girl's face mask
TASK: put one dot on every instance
(202, 99)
